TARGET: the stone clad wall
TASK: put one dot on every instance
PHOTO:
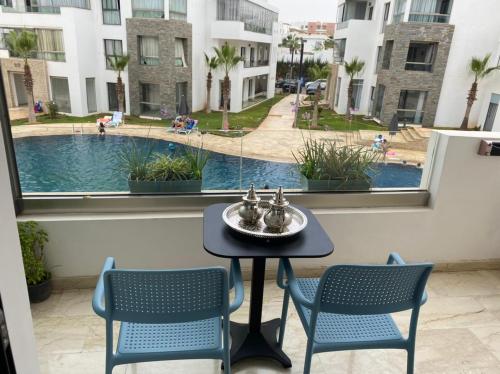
(38, 71)
(166, 73)
(396, 78)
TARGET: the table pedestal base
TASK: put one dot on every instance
(261, 344)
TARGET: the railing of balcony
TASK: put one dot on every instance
(342, 25)
(418, 66)
(412, 116)
(429, 17)
(53, 6)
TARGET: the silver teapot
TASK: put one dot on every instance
(250, 212)
(277, 217)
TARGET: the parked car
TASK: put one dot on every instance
(311, 89)
(290, 85)
(321, 81)
(279, 83)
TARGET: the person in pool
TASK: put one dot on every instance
(102, 129)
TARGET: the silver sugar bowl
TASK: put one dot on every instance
(277, 217)
(250, 212)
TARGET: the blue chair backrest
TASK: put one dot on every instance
(358, 289)
(117, 116)
(165, 296)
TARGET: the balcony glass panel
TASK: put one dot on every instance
(53, 6)
(178, 10)
(255, 17)
(339, 51)
(411, 108)
(150, 99)
(50, 44)
(148, 8)
(399, 11)
(435, 11)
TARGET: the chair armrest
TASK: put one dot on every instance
(98, 299)
(292, 285)
(395, 258)
(236, 282)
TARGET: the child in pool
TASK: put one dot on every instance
(102, 129)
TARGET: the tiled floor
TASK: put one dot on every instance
(459, 332)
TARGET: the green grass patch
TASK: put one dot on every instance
(250, 118)
(329, 120)
(62, 118)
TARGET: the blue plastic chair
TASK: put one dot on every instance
(167, 314)
(349, 307)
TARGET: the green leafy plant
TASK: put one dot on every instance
(321, 160)
(135, 160)
(168, 168)
(33, 240)
(52, 108)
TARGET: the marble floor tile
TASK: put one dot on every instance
(459, 332)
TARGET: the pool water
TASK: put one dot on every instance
(89, 163)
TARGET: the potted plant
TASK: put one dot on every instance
(33, 240)
(327, 166)
(160, 173)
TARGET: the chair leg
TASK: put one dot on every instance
(284, 313)
(410, 363)
(109, 367)
(227, 345)
(308, 359)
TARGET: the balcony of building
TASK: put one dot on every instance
(426, 11)
(353, 10)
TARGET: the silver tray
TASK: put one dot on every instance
(260, 230)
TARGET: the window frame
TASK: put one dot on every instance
(142, 59)
(106, 56)
(118, 10)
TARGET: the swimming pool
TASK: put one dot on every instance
(89, 163)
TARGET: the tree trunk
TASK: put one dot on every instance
(350, 91)
(208, 108)
(225, 98)
(120, 94)
(291, 66)
(317, 97)
(470, 101)
(28, 85)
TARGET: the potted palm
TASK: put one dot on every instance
(33, 240)
(159, 173)
(327, 166)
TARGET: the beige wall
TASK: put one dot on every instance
(38, 71)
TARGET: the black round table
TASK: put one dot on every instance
(257, 338)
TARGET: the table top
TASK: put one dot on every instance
(220, 240)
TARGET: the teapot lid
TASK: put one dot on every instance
(251, 195)
(279, 198)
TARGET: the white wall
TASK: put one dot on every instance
(12, 281)
(477, 32)
(460, 224)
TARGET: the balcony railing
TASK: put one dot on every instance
(412, 116)
(342, 25)
(429, 17)
(150, 60)
(54, 6)
(418, 66)
(111, 17)
(253, 64)
(148, 13)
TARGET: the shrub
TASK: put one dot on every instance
(33, 240)
(52, 109)
(320, 160)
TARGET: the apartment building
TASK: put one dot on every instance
(416, 54)
(165, 39)
(321, 28)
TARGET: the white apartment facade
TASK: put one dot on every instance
(166, 39)
(416, 54)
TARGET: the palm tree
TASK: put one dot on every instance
(352, 69)
(118, 64)
(227, 59)
(212, 64)
(478, 67)
(23, 44)
(316, 72)
(293, 44)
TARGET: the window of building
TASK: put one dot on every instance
(60, 93)
(357, 85)
(341, 13)
(386, 62)
(178, 10)
(243, 54)
(148, 8)
(91, 98)
(421, 56)
(399, 11)
(6, 3)
(411, 106)
(180, 52)
(149, 50)
(379, 101)
(111, 12)
(263, 55)
(337, 91)
(181, 89)
(54, 6)
(113, 97)
(379, 56)
(50, 44)
(340, 50)
(387, 7)
(370, 13)
(150, 99)
(112, 49)
(436, 11)
(255, 17)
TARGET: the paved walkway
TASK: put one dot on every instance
(274, 140)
